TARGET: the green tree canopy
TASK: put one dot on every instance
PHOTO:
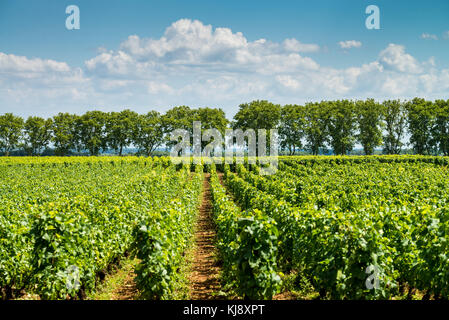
(212, 118)
(119, 129)
(420, 119)
(316, 126)
(342, 126)
(394, 117)
(440, 129)
(64, 132)
(291, 128)
(369, 121)
(181, 117)
(148, 132)
(37, 134)
(91, 130)
(259, 114)
(10, 132)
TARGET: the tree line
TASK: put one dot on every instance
(327, 125)
(97, 131)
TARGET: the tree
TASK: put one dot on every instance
(316, 126)
(369, 122)
(119, 129)
(420, 121)
(341, 126)
(181, 117)
(440, 129)
(291, 128)
(212, 118)
(37, 134)
(64, 135)
(259, 114)
(10, 132)
(148, 132)
(394, 117)
(90, 128)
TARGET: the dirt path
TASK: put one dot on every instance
(119, 284)
(204, 277)
(128, 290)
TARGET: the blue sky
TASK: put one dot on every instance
(156, 54)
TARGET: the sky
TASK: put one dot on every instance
(154, 55)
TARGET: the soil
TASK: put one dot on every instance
(205, 270)
(128, 290)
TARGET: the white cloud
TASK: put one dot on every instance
(350, 44)
(395, 58)
(429, 36)
(446, 34)
(157, 87)
(33, 85)
(198, 65)
(20, 64)
(296, 46)
(288, 82)
(188, 45)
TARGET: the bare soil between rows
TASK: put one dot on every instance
(205, 269)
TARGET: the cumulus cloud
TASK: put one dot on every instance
(34, 83)
(188, 45)
(395, 58)
(350, 44)
(23, 65)
(296, 46)
(198, 65)
(429, 36)
(446, 35)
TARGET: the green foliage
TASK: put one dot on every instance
(248, 245)
(10, 132)
(316, 127)
(212, 119)
(148, 132)
(37, 134)
(291, 128)
(354, 213)
(395, 121)
(341, 126)
(256, 256)
(440, 129)
(79, 214)
(369, 121)
(119, 129)
(420, 119)
(91, 132)
(161, 240)
(259, 114)
(64, 133)
(181, 117)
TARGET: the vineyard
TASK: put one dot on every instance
(359, 227)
